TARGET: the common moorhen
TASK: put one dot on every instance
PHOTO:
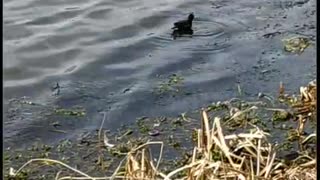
(184, 25)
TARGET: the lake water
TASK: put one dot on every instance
(112, 55)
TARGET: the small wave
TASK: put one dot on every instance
(207, 47)
(162, 40)
(99, 13)
(56, 18)
(13, 32)
(204, 28)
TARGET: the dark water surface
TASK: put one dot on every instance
(111, 56)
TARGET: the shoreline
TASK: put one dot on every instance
(179, 137)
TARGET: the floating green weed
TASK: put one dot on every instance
(70, 112)
(296, 44)
(281, 116)
(171, 85)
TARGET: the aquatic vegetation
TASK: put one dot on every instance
(296, 44)
(281, 116)
(171, 85)
(218, 153)
(70, 112)
(143, 128)
(216, 106)
(303, 105)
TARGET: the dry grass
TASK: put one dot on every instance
(243, 156)
(305, 104)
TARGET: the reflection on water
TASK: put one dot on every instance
(111, 55)
(178, 33)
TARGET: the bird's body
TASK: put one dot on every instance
(184, 25)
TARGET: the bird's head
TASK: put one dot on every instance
(191, 17)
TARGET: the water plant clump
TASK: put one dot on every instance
(171, 85)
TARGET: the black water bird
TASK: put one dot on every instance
(184, 25)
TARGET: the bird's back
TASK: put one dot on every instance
(182, 24)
